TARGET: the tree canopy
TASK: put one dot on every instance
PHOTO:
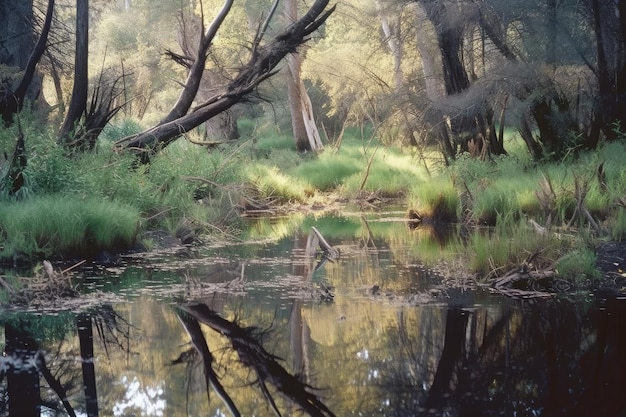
(423, 72)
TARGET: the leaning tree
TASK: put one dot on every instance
(264, 58)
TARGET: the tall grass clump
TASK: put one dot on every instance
(618, 225)
(578, 266)
(388, 172)
(326, 172)
(436, 199)
(275, 186)
(269, 142)
(495, 251)
(56, 225)
(118, 130)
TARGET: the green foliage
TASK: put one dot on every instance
(268, 143)
(498, 250)
(274, 185)
(578, 265)
(618, 229)
(120, 129)
(326, 172)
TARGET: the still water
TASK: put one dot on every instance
(270, 327)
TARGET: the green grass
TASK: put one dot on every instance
(101, 193)
(327, 172)
(436, 199)
(60, 224)
(578, 266)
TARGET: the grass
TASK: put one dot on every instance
(578, 266)
(59, 224)
(98, 199)
(436, 199)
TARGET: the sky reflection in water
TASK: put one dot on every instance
(361, 336)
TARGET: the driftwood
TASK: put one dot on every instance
(329, 252)
(526, 281)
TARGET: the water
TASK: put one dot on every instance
(374, 333)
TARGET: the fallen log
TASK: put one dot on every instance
(525, 282)
(520, 275)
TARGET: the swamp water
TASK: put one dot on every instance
(274, 329)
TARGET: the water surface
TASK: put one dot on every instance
(268, 328)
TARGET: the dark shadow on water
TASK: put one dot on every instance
(545, 358)
(528, 358)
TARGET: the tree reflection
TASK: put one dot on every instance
(265, 366)
(25, 362)
(548, 358)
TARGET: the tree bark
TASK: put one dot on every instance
(12, 101)
(78, 102)
(295, 103)
(85, 338)
(303, 125)
(551, 30)
(22, 381)
(261, 65)
(194, 77)
(451, 356)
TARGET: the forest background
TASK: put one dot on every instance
(121, 117)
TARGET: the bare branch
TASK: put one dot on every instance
(260, 66)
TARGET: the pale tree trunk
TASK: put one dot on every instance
(391, 31)
(305, 131)
(433, 80)
(390, 22)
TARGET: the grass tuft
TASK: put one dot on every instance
(58, 225)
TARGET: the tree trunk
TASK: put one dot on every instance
(390, 23)
(18, 54)
(303, 125)
(295, 103)
(78, 102)
(194, 77)
(451, 357)
(261, 66)
(435, 89)
(22, 380)
(611, 64)
(551, 26)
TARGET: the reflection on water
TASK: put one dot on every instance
(258, 330)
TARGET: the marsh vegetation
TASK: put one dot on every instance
(472, 123)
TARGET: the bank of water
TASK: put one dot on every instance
(268, 325)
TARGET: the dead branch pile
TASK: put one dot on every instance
(526, 281)
(49, 285)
